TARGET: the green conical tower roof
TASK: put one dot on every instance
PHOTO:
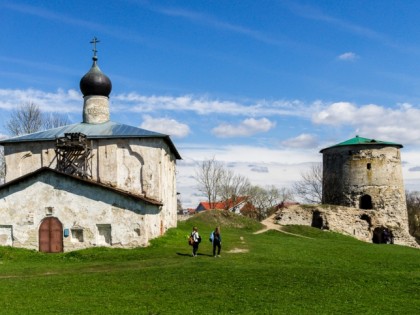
(362, 141)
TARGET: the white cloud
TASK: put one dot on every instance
(348, 56)
(203, 105)
(250, 154)
(302, 141)
(72, 101)
(165, 125)
(258, 168)
(61, 101)
(247, 127)
(398, 124)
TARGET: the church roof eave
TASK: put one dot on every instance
(362, 141)
(90, 182)
(107, 130)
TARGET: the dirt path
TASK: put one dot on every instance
(270, 224)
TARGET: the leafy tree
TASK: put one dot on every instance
(266, 200)
(309, 188)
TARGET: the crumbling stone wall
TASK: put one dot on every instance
(360, 224)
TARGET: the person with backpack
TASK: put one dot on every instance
(195, 239)
(216, 239)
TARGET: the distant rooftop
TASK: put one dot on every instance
(362, 141)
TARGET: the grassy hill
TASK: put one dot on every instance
(317, 272)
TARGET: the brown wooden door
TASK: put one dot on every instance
(51, 236)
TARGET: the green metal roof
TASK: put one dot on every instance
(362, 141)
(107, 130)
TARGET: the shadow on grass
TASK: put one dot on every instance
(198, 254)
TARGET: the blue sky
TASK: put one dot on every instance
(260, 85)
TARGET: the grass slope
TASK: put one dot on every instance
(322, 273)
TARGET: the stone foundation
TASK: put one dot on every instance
(365, 225)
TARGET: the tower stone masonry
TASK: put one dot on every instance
(366, 174)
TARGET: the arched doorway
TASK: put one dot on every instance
(382, 235)
(51, 236)
(366, 202)
(317, 220)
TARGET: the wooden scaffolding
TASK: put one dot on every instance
(74, 155)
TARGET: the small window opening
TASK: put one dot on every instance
(77, 235)
(366, 202)
(6, 235)
(49, 211)
(104, 234)
(369, 166)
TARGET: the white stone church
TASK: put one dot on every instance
(94, 183)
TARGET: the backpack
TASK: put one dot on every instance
(191, 240)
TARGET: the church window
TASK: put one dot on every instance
(49, 211)
(104, 235)
(369, 166)
(77, 235)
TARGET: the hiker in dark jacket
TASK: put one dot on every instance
(197, 239)
(216, 239)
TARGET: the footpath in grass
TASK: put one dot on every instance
(268, 273)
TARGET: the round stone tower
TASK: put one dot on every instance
(366, 174)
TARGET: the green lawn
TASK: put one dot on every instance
(269, 273)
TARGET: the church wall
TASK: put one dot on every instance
(26, 157)
(143, 166)
(80, 207)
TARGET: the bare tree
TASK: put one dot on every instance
(232, 186)
(28, 118)
(2, 165)
(208, 176)
(413, 211)
(54, 120)
(309, 188)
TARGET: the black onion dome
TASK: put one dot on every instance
(95, 82)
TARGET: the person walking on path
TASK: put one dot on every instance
(196, 240)
(216, 239)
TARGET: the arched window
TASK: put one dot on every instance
(366, 202)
